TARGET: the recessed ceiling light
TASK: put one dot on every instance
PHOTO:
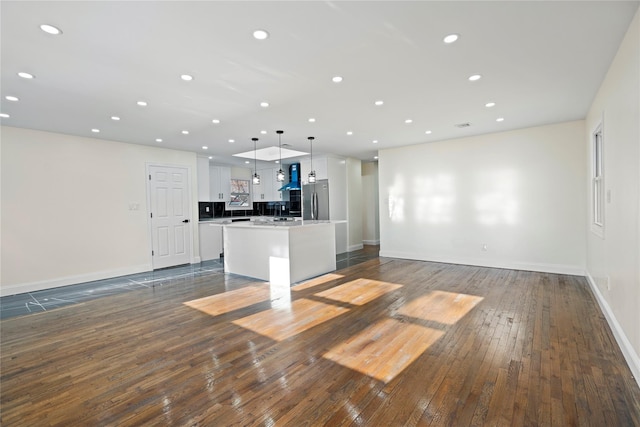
(500, 119)
(4, 115)
(428, 132)
(246, 162)
(475, 77)
(450, 38)
(312, 120)
(375, 157)
(378, 103)
(116, 118)
(336, 79)
(186, 77)
(231, 141)
(264, 104)
(158, 139)
(408, 121)
(11, 98)
(204, 147)
(142, 103)
(375, 141)
(95, 130)
(490, 104)
(210, 157)
(185, 132)
(25, 75)
(263, 132)
(215, 121)
(349, 133)
(260, 34)
(50, 29)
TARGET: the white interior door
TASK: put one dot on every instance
(170, 216)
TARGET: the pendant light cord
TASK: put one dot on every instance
(255, 155)
(280, 175)
(256, 178)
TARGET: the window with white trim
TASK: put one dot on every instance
(597, 181)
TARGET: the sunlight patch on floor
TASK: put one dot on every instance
(359, 291)
(439, 306)
(325, 278)
(384, 349)
(282, 323)
(226, 302)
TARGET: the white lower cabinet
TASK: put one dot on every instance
(210, 235)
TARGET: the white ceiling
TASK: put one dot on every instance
(541, 62)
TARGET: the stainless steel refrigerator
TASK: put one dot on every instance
(315, 200)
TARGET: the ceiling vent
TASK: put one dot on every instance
(463, 125)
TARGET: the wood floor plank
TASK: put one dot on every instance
(385, 342)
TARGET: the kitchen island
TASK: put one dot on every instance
(281, 253)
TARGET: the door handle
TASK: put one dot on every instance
(185, 221)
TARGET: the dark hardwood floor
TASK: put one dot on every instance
(386, 342)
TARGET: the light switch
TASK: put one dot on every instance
(608, 196)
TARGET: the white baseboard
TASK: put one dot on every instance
(355, 247)
(630, 355)
(371, 242)
(72, 280)
(632, 358)
(571, 270)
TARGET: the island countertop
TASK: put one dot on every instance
(277, 224)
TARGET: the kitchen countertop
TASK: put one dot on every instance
(278, 224)
(230, 219)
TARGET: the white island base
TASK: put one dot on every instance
(281, 254)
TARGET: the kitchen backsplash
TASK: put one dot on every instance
(217, 210)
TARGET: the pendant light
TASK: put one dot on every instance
(280, 174)
(312, 174)
(256, 177)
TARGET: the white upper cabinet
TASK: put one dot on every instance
(204, 186)
(274, 195)
(267, 190)
(220, 182)
(319, 165)
(258, 193)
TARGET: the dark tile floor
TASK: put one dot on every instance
(49, 299)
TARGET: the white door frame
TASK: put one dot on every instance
(148, 165)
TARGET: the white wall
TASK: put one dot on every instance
(615, 257)
(520, 193)
(241, 173)
(67, 208)
(370, 217)
(354, 203)
(337, 174)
